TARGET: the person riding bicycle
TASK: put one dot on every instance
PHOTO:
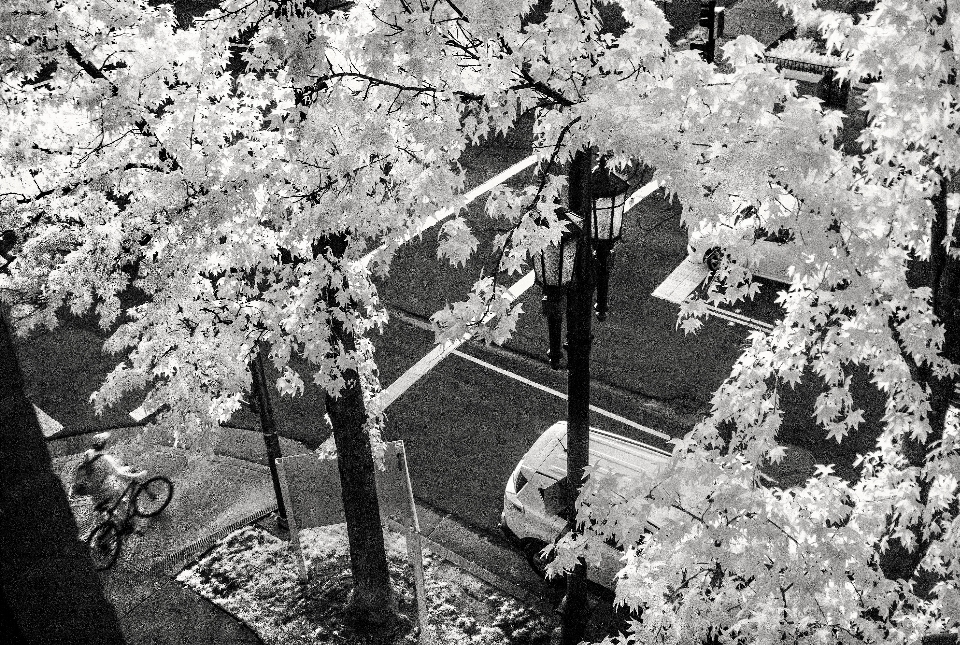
(101, 475)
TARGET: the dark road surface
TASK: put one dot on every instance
(466, 426)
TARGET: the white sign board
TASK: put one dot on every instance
(313, 498)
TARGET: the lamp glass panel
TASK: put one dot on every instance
(608, 216)
(550, 262)
(554, 266)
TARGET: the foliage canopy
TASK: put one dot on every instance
(236, 172)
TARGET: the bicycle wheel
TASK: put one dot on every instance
(104, 544)
(152, 496)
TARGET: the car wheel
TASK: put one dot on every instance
(532, 549)
(712, 258)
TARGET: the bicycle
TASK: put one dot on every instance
(145, 499)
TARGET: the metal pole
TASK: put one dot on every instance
(269, 429)
(552, 304)
(574, 610)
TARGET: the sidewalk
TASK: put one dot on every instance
(212, 497)
(217, 495)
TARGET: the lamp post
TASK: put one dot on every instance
(601, 198)
(269, 430)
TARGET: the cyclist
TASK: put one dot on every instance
(102, 475)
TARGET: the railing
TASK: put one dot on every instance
(833, 91)
(799, 65)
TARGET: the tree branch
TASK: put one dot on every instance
(66, 190)
(92, 70)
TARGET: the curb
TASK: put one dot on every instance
(487, 576)
(86, 430)
(230, 459)
(172, 562)
(192, 552)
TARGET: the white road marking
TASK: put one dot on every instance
(682, 281)
(439, 352)
(549, 390)
(640, 195)
(48, 425)
(685, 279)
(140, 413)
(740, 319)
(444, 213)
(557, 393)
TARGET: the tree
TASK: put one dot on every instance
(131, 160)
(726, 558)
(160, 161)
(875, 285)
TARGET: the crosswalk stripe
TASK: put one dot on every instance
(439, 352)
(444, 213)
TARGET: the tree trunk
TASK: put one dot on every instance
(372, 601)
(943, 278)
(574, 610)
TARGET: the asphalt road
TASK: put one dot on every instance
(466, 426)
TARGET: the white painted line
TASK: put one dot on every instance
(439, 352)
(549, 390)
(498, 179)
(444, 213)
(722, 314)
(48, 425)
(747, 319)
(740, 319)
(561, 395)
(141, 413)
(682, 281)
(641, 194)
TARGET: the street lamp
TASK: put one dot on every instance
(601, 198)
(556, 268)
(609, 206)
(553, 269)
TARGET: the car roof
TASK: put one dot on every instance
(611, 452)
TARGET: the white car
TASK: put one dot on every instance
(530, 511)
(771, 255)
